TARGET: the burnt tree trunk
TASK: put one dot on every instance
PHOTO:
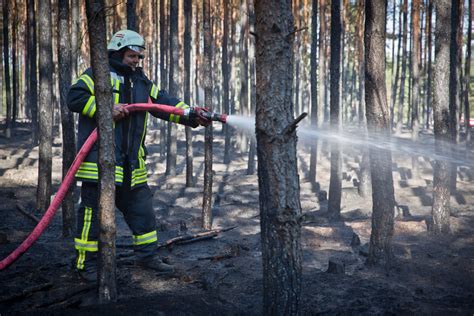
(378, 124)
(163, 68)
(280, 209)
(188, 19)
(467, 75)
(32, 82)
(322, 60)
(43, 194)
(441, 97)
(429, 43)
(313, 160)
(67, 118)
(131, 16)
(454, 100)
(225, 82)
(335, 182)
(207, 196)
(173, 73)
(6, 69)
(415, 76)
(107, 266)
(401, 99)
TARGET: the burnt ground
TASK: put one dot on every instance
(223, 275)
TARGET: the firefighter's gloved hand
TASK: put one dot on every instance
(119, 112)
(200, 115)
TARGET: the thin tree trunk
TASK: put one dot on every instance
(415, 71)
(225, 83)
(454, 101)
(67, 118)
(163, 68)
(322, 61)
(313, 160)
(6, 69)
(107, 266)
(14, 56)
(45, 106)
(280, 208)
(188, 19)
(401, 99)
(378, 123)
(173, 73)
(335, 182)
(208, 138)
(32, 82)
(75, 29)
(251, 82)
(393, 96)
(429, 43)
(467, 75)
(441, 95)
(132, 16)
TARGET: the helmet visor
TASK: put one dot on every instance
(137, 49)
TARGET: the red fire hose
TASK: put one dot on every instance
(69, 178)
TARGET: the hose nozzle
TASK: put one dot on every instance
(217, 117)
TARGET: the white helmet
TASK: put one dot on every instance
(126, 38)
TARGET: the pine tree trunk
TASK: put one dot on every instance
(467, 75)
(132, 16)
(67, 118)
(393, 95)
(14, 56)
(6, 69)
(280, 209)
(401, 99)
(188, 19)
(335, 182)
(208, 138)
(313, 160)
(32, 82)
(322, 61)
(107, 266)
(429, 43)
(378, 123)
(441, 95)
(415, 71)
(163, 68)
(173, 73)
(45, 106)
(225, 83)
(251, 82)
(75, 29)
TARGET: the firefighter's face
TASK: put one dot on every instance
(132, 58)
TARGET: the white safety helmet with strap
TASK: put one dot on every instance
(126, 38)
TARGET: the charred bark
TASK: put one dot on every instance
(280, 209)
(378, 123)
(107, 265)
(188, 16)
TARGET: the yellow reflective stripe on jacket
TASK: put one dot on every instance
(180, 105)
(138, 176)
(154, 91)
(147, 238)
(86, 245)
(116, 86)
(89, 108)
(88, 81)
(90, 171)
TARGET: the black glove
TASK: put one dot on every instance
(201, 115)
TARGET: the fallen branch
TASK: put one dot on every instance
(22, 210)
(217, 257)
(186, 239)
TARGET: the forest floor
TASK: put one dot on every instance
(223, 275)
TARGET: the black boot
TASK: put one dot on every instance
(155, 263)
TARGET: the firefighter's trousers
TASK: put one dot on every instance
(136, 206)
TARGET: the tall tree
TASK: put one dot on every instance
(429, 48)
(95, 10)
(188, 20)
(454, 84)
(280, 209)
(163, 68)
(401, 99)
(225, 81)
(467, 74)
(67, 118)
(441, 96)
(31, 69)
(335, 182)
(251, 80)
(314, 90)
(75, 29)
(173, 73)
(208, 138)
(322, 61)
(415, 76)
(132, 15)
(378, 124)
(14, 58)
(43, 193)
(6, 68)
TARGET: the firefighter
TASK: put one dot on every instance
(133, 196)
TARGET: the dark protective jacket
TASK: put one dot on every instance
(128, 87)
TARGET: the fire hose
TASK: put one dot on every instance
(81, 155)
